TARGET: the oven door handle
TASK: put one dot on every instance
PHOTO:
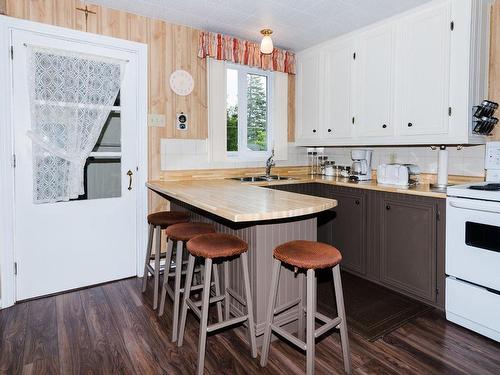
(476, 207)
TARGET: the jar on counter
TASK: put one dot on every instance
(330, 168)
(322, 160)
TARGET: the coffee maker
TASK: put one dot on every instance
(361, 169)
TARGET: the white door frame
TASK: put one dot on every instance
(7, 123)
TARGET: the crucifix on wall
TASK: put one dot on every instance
(86, 11)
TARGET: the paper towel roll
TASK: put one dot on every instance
(442, 177)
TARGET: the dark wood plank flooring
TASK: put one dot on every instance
(112, 329)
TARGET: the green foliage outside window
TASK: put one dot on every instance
(232, 128)
(256, 112)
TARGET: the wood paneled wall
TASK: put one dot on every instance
(3, 6)
(170, 47)
(495, 58)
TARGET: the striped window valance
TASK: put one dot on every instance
(224, 47)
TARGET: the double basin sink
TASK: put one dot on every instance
(261, 178)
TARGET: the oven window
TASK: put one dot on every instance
(482, 236)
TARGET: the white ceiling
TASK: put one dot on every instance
(297, 24)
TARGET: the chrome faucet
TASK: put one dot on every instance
(270, 163)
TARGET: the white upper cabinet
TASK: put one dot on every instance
(410, 79)
(374, 95)
(307, 105)
(336, 114)
(423, 72)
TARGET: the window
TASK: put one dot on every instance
(248, 127)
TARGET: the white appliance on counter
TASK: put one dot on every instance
(473, 251)
(397, 174)
(361, 169)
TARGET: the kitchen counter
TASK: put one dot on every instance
(241, 202)
(264, 218)
(422, 189)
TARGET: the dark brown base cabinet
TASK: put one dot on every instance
(396, 240)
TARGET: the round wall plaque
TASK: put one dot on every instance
(181, 82)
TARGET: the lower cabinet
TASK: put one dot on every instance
(396, 240)
(408, 246)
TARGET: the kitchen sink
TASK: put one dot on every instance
(261, 178)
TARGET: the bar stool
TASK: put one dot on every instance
(179, 234)
(311, 256)
(157, 222)
(216, 247)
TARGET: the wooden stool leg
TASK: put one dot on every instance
(339, 298)
(204, 316)
(300, 307)
(217, 291)
(177, 289)
(168, 265)
(187, 291)
(227, 304)
(270, 312)
(310, 319)
(148, 255)
(157, 267)
(248, 295)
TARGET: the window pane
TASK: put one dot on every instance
(232, 110)
(110, 138)
(102, 178)
(257, 112)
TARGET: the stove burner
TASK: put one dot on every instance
(487, 187)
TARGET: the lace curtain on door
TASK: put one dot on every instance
(71, 97)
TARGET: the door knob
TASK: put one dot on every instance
(129, 174)
(387, 207)
(357, 202)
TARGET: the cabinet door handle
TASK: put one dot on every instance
(329, 130)
(410, 124)
(357, 202)
(314, 130)
(387, 207)
(129, 174)
(384, 126)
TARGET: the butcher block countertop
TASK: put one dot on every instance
(240, 202)
(419, 189)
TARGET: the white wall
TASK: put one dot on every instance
(466, 162)
(180, 154)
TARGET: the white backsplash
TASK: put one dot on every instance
(468, 161)
(182, 154)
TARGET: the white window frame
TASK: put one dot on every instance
(244, 152)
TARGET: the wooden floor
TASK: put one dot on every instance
(112, 329)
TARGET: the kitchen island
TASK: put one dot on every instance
(264, 218)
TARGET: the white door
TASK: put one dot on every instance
(66, 245)
(308, 95)
(423, 72)
(374, 83)
(336, 102)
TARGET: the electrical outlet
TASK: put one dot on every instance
(182, 121)
(156, 120)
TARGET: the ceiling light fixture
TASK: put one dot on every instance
(266, 46)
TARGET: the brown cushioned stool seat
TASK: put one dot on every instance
(187, 231)
(165, 218)
(308, 254)
(216, 245)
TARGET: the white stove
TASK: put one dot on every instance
(473, 251)
(487, 191)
